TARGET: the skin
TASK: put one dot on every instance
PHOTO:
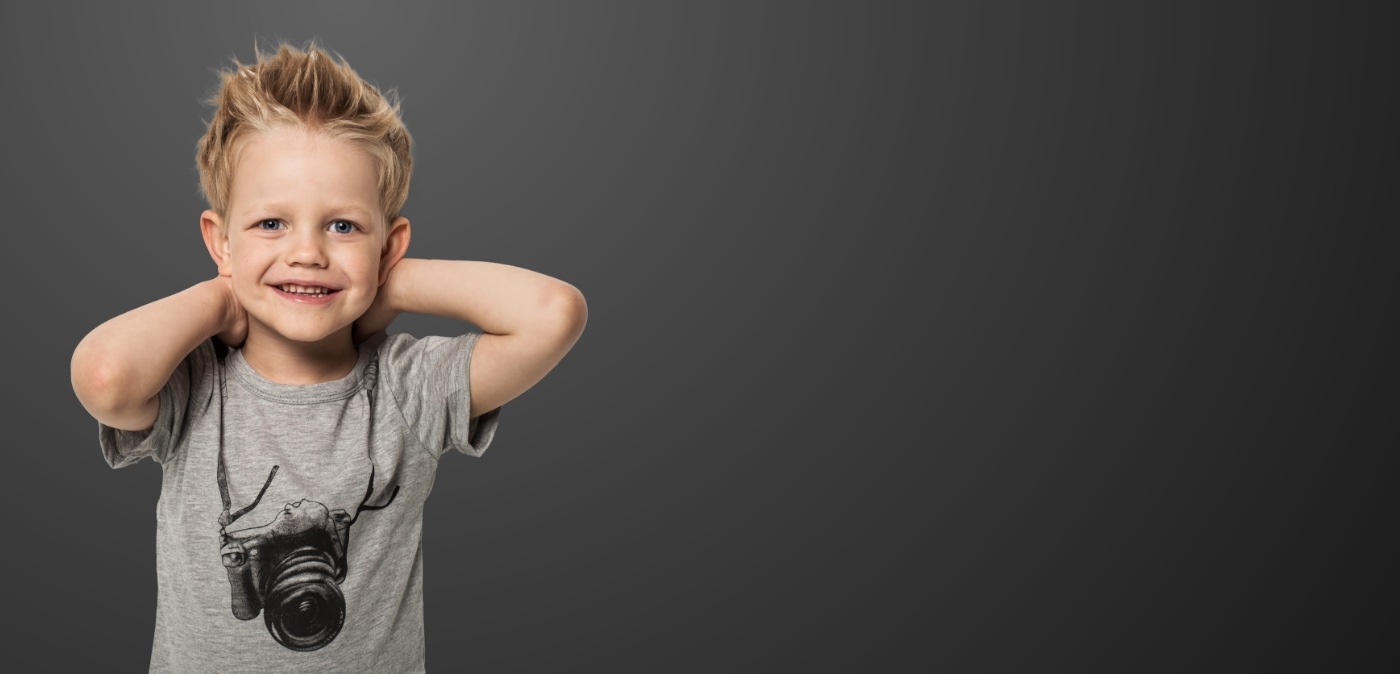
(305, 206)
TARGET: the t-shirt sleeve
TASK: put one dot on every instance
(430, 379)
(191, 381)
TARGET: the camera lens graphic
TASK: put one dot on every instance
(304, 606)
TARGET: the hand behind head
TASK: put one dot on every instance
(235, 327)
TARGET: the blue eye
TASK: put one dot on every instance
(276, 224)
(342, 227)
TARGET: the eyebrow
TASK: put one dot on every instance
(348, 208)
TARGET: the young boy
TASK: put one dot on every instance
(283, 417)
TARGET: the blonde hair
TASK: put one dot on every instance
(304, 89)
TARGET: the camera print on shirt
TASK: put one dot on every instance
(291, 568)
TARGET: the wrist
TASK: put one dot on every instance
(227, 315)
(389, 297)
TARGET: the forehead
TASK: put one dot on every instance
(304, 172)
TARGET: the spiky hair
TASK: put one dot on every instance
(311, 90)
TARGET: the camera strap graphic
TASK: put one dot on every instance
(226, 519)
(290, 569)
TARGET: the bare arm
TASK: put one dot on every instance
(119, 368)
(529, 321)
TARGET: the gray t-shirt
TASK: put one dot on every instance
(301, 550)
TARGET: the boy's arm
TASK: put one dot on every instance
(120, 367)
(528, 320)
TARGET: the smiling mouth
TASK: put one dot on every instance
(307, 291)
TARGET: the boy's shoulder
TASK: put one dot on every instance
(428, 379)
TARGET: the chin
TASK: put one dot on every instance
(310, 335)
(319, 337)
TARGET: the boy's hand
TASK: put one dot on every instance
(235, 328)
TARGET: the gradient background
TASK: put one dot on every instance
(963, 337)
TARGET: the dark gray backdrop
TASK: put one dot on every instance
(957, 336)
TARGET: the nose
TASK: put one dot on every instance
(305, 248)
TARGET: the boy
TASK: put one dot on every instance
(283, 417)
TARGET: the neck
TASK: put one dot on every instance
(284, 361)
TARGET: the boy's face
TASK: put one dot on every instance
(305, 243)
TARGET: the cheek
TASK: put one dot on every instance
(368, 265)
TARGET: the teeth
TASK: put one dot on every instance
(303, 290)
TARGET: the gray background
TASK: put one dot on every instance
(961, 336)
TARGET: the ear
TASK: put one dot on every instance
(395, 246)
(216, 240)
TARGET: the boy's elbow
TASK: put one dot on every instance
(96, 384)
(570, 310)
(89, 377)
(100, 388)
